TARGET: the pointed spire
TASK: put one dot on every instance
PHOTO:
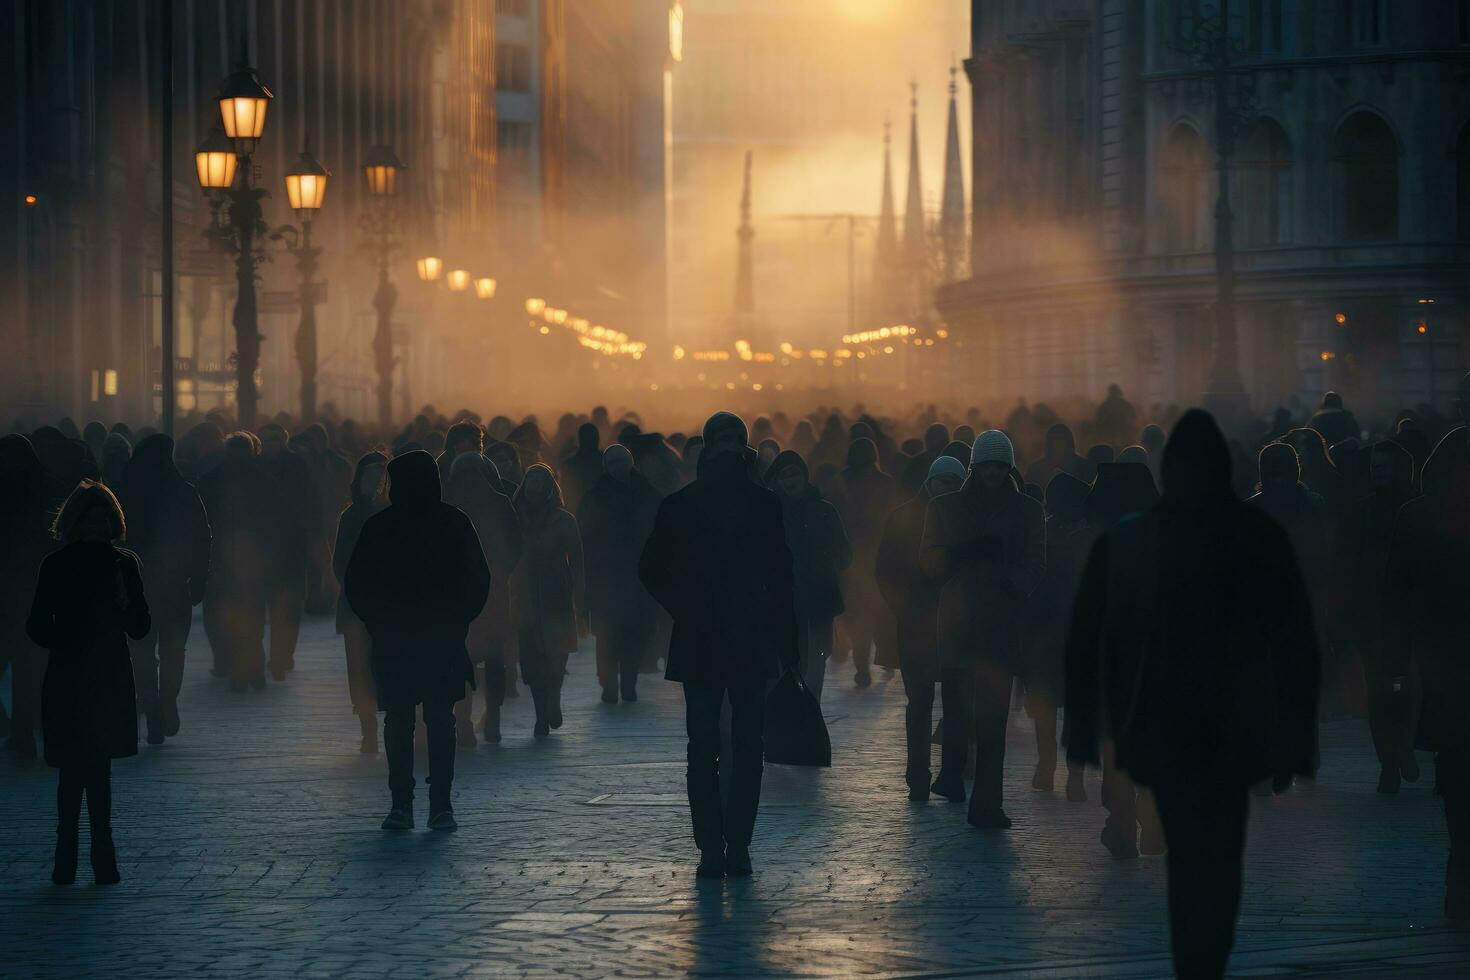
(745, 269)
(887, 273)
(952, 203)
(913, 214)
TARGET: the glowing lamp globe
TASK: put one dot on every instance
(306, 184)
(430, 268)
(485, 287)
(243, 101)
(459, 280)
(215, 161)
(381, 166)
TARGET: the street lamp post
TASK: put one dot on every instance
(306, 187)
(381, 167)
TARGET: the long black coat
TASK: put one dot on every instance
(167, 526)
(89, 599)
(615, 519)
(912, 595)
(820, 553)
(418, 579)
(717, 561)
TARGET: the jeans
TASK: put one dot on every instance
(731, 823)
(398, 725)
(977, 700)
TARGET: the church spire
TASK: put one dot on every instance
(886, 273)
(914, 257)
(952, 208)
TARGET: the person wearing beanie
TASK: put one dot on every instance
(718, 562)
(913, 598)
(985, 546)
(1192, 650)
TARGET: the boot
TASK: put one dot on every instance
(154, 720)
(65, 871)
(553, 705)
(104, 857)
(1388, 780)
(491, 723)
(369, 722)
(539, 701)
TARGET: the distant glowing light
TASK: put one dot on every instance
(1422, 327)
(545, 330)
(1341, 318)
(485, 287)
(430, 268)
(678, 353)
(459, 280)
(676, 31)
(1328, 355)
(109, 382)
(942, 333)
(535, 306)
(1423, 302)
(31, 200)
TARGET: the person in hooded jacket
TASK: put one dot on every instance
(547, 593)
(1059, 455)
(1426, 582)
(916, 469)
(986, 546)
(865, 496)
(88, 601)
(819, 554)
(582, 468)
(367, 496)
(418, 578)
(113, 463)
(234, 497)
(718, 562)
(913, 598)
(615, 519)
(169, 532)
(472, 488)
(1191, 647)
(26, 495)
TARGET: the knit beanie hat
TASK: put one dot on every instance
(945, 466)
(993, 446)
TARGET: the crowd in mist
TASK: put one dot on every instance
(1177, 605)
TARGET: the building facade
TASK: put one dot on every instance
(1095, 180)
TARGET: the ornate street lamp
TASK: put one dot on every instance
(430, 268)
(381, 167)
(215, 161)
(306, 185)
(243, 102)
(306, 189)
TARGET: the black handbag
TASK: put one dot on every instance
(796, 733)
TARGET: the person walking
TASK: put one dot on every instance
(865, 496)
(418, 579)
(913, 598)
(368, 496)
(717, 561)
(291, 521)
(234, 602)
(89, 601)
(1191, 647)
(26, 495)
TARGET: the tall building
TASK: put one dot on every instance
(1094, 172)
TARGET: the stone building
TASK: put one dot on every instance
(1095, 185)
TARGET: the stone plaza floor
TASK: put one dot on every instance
(249, 847)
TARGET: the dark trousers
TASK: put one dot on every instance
(918, 720)
(1392, 715)
(93, 779)
(620, 650)
(977, 700)
(398, 724)
(1131, 809)
(158, 658)
(234, 624)
(1452, 785)
(360, 685)
(1204, 826)
(814, 642)
(284, 601)
(732, 822)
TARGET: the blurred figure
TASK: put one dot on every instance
(1191, 646)
(234, 603)
(26, 494)
(615, 519)
(368, 496)
(717, 560)
(916, 470)
(819, 555)
(985, 544)
(113, 462)
(548, 592)
(169, 532)
(583, 468)
(464, 436)
(88, 601)
(865, 496)
(1335, 423)
(913, 598)
(291, 524)
(1058, 456)
(418, 578)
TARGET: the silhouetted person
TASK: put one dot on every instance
(819, 554)
(916, 469)
(913, 598)
(1334, 421)
(717, 561)
(986, 545)
(234, 602)
(548, 592)
(291, 522)
(582, 468)
(88, 601)
(1191, 646)
(1301, 513)
(368, 495)
(113, 462)
(464, 436)
(1059, 455)
(615, 519)
(168, 531)
(864, 497)
(1116, 419)
(26, 498)
(472, 488)
(418, 579)
(1428, 578)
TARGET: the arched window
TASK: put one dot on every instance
(1262, 185)
(1368, 159)
(1184, 190)
(1462, 181)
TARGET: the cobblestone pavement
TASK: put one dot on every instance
(250, 847)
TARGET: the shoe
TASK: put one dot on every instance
(1076, 790)
(1151, 842)
(609, 695)
(1044, 779)
(711, 865)
(443, 820)
(542, 730)
(1119, 848)
(168, 713)
(553, 708)
(257, 682)
(1388, 780)
(104, 859)
(990, 820)
(490, 725)
(630, 694)
(155, 727)
(950, 788)
(399, 818)
(65, 870)
(863, 679)
(278, 674)
(737, 862)
(1409, 767)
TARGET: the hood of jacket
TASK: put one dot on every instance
(413, 480)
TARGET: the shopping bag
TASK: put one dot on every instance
(796, 734)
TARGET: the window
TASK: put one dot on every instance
(1367, 155)
(1184, 190)
(512, 68)
(1262, 184)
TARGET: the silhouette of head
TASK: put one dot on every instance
(946, 475)
(540, 484)
(1119, 490)
(153, 455)
(90, 513)
(617, 462)
(1390, 465)
(1196, 458)
(367, 477)
(464, 437)
(413, 480)
(788, 473)
(1060, 443)
(1332, 401)
(724, 432)
(1278, 465)
(274, 439)
(862, 454)
(588, 437)
(1066, 498)
(936, 437)
(1134, 454)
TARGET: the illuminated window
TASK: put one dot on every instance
(512, 68)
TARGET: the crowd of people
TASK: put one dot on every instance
(1176, 605)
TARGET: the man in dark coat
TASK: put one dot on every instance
(865, 494)
(1058, 456)
(169, 532)
(717, 561)
(615, 518)
(1428, 578)
(418, 578)
(234, 497)
(581, 469)
(913, 598)
(292, 519)
(1191, 646)
(986, 545)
